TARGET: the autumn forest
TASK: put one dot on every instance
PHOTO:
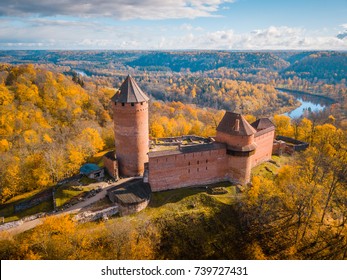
(55, 115)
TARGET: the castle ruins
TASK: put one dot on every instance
(237, 147)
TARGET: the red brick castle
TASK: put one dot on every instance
(236, 149)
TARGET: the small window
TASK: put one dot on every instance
(123, 104)
(141, 103)
(197, 162)
(206, 167)
(206, 161)
(115, 103)
(188, 170)
(188, 163)
(132, 104)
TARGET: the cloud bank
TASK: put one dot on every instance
(120, 9)
(61, 34)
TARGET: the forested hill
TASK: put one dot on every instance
(329, 66)
(49, 125)
(204, 61)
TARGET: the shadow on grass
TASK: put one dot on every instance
(159, 199)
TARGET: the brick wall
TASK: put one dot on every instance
(133, 208)
(131, 137)
(234, 140)
(263, 151)
(111, 166)
(240, 169)
(187, 169)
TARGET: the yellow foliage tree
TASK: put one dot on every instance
(92, 138)
(5, 96)
(157, 130)
(283, 126)
(4, 145)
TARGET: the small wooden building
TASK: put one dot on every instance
(131, 197)
(92, 171)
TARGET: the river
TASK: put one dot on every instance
(309, 103)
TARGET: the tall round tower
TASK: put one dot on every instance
(130, 116)
(238, 135)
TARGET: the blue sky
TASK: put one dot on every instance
(173, 24)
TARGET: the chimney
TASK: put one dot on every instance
(237, 125)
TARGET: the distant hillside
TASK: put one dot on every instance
(209, 60)
(328, 66)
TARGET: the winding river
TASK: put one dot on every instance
(309, 103)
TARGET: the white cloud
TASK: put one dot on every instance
(55, 33)
(120, 9)
(189, 27)
(272, 38)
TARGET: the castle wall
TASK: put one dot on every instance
(240, 168)
(264, 143)
(131, 137)
(111, 166)
(187, 169)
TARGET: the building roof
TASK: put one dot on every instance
(235, 124)
(129, 92)
(131, 192)
(188, 149)
(89, 168)
(262, 123)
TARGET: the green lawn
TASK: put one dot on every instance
(8, 211)
(191, 223)
(270, 169)
(64, 194)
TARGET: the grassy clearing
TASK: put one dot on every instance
(87, 181)
(7, 209)
(192, 223)
(45, 206)
(23, 196)
(64, 194)
(10, 216)
(270, 169)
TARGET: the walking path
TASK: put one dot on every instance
(72, 210)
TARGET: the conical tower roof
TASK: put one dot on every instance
(129, 92)
(235, 124)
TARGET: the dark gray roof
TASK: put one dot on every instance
(262, 123)
(229, 125)
(131, 192)
(129, 92)
(188, 149)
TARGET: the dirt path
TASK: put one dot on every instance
(72, 210)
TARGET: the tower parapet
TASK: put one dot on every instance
(130, 116)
